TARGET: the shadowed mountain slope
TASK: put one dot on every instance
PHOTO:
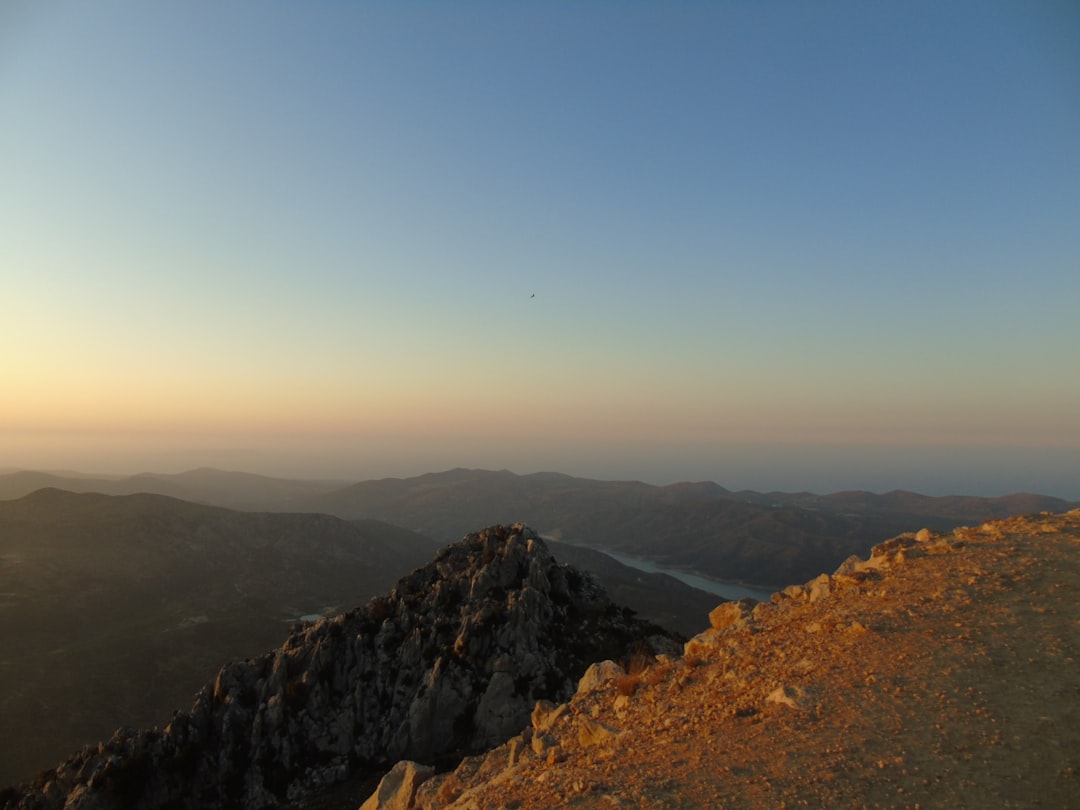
(114, 610)
(768, 539)
(657, 598)
(120, 607)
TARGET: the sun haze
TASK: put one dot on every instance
(817, 246)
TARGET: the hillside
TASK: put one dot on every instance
(114, 610)
(122, 606)
(233, 490)
(450, 662)
(766, 539)
(940, 673)
(658, 598)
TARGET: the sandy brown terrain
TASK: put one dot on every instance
(943, 672)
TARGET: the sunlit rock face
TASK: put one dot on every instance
(451, 662)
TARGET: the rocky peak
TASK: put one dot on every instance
(450, 663)
(939, 672)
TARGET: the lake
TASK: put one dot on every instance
(728, 590)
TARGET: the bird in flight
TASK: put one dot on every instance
(533, 295)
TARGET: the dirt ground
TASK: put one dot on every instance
(941, 675)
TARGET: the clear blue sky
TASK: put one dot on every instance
(792, 245)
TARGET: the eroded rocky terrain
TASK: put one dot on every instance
(450, 663)
(942, 672)
(939, 672)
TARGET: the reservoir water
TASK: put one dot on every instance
(728, 590)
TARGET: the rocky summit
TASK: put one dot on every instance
(452, 662)
(941, 672)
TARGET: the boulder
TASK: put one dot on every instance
(597, 674)
(737, 614)
(820, 588)
(397, 789)
(729, 617)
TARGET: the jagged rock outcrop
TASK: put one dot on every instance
(450, 663)
(939, 672)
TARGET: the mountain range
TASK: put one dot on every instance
(767, 539)
(125, 593)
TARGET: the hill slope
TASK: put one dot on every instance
(233, 490)
(449, 663)
(769, 539)
(940, 673)
(114, 610)
(122, 606)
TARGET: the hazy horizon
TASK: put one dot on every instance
(779, 246)
(985, 472)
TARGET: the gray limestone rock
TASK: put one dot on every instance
(397, 789)
(449, 664)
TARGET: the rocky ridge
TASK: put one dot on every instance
(939, 672)
(451, 663)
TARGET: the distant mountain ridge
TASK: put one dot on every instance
(233, 490)
(762, 538)
(901, 501)
(254, 492)
(766, 539)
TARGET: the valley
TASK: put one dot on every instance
(763, 539)
(117, 607)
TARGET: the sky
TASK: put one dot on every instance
(777, 245)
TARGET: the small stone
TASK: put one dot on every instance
(592, 732)
(732, 614)
(541, 743)
(546, 714)
(794, 696)
(820, 588)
